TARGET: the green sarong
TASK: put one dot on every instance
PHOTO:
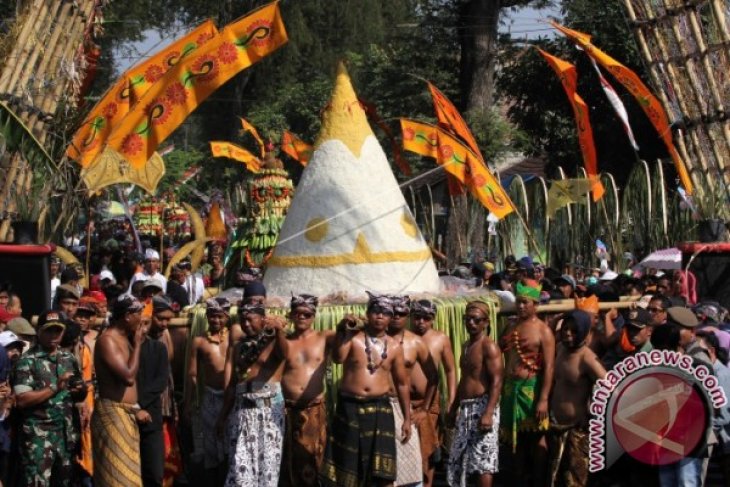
(517, 406)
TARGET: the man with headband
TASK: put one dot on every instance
(305, 353)
(425, 414)
(475, 412)
(361, 445)
(208, 355)
(529, 354)
(254, 401)
(409, 466)
(576, 370)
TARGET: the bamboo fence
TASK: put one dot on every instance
(686, 45)
(42, 71)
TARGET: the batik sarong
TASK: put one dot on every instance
(256, 435)
(361, 446)
(214, 448)
(115, 440)
(473, 451)
(409, 466)
(518, 406)
(568, 452)
(304, 443)
(428, 431)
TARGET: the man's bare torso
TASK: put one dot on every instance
(110, 385)
(304, 367)
(357, 380)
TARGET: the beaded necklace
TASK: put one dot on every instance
(370, 343)
(530, 363)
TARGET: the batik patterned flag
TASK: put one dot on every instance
(459, 161)
(648, 102)
(247, 127)
(451, 120)
(569, 78)
(169, 101)
(296, 148)
(566, 191)
(232, 151)
(89, 139)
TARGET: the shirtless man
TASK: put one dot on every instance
(253, 294)
(576, 370)
(415, 354)
(529, 353)
(305, 354)
(209, 355)
(114, 429)
(361, 447)
(256, 424)
(426, 415)
(475, 450)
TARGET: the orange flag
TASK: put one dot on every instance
(232, 151)
(115, 104)
(458, 160)
(296, 148)
(569, 78)
(451, 120)
(247, 127)
(169, 101)
(648, 102)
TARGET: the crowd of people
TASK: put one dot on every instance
(87, 395)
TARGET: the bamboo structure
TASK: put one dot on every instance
(43, 70)
(686, 44)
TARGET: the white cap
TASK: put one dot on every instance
(154, 282)
(609, 275)
(151, 254)
(8, 337)
(107, 274)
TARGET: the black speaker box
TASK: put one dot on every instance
(27, 268)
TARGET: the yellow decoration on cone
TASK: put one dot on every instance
(344, 118)
(317, 229)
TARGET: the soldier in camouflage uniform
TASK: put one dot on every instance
(45, 389)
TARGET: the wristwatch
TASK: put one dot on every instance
(53, 388)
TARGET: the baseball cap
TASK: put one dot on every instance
(108, 275)
(565, 279)
(162, 303)
(682, 316)
(68, 291)
(20, 326)
(7, 338)
(52, 318)
(637, 317)
(153, 282)
(86, 305)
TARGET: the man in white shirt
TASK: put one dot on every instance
(151, 270)
(193, 284)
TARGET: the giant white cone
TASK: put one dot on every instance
(348, 228)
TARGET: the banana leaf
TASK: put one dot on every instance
(17, 137)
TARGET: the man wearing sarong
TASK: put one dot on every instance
(529, 353)
(47, 381)
(154, 369)
(255, 404)
(409, 463)
(576, 370)
(475, 412)
(361, 445)
(114, 431)
(305, 354)
(425, 415)
(208, 356)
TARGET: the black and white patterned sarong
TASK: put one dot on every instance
(256, 435)
(214, 447)
(473, 451)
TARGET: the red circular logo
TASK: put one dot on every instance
(659, 418)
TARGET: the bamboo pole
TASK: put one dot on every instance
(22, 47)
(656, 81)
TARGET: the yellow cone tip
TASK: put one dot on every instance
(344, 119)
